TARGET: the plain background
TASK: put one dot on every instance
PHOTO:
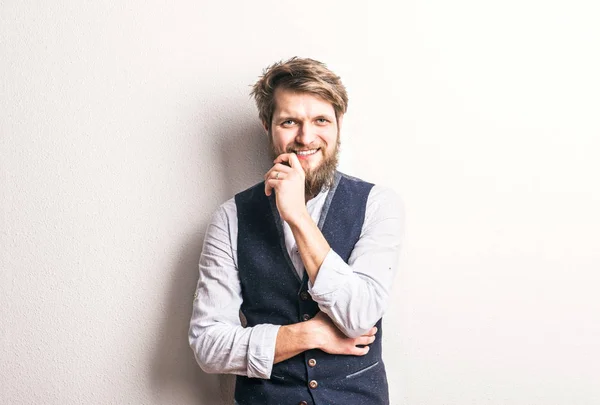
(125, 124)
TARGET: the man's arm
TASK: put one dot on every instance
(288, 183)
(220, 343)
(319, 333)
(355, 295)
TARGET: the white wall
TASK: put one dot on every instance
(124, 124)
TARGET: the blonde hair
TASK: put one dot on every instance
(303, 75)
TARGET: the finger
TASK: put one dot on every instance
(364, 340)
(277, 172)
(275, 175)
(270, 185)
(371, 331)
(290, 158)
(360, 351)
(282, 168)
(283, 158)
(278, 168)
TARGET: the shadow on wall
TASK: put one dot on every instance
(244, 158)
(245, 154)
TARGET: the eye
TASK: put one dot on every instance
(322, 121)
(288, 123)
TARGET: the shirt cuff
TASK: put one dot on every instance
(261, 350)
(333, 273)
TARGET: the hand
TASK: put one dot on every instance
(331, 340)
(288, 183)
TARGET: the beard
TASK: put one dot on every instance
(320, 177)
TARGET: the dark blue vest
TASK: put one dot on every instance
(273, 293)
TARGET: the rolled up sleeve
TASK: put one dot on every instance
(219, 341)
(355, 295)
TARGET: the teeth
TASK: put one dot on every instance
(306, 152)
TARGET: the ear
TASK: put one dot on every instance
(265, 126)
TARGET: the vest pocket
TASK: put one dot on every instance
(277, 377)
(359, 372)
(279, 371)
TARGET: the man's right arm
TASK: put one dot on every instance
(219, 341)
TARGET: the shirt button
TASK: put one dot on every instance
(313, 384)
(312, 362)
(306, 317)
(303, 295)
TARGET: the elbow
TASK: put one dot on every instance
(351, 332)
(197, 341)
(354, 332)
(208, 368)
(354, 324)
(205, 362)
(356, 327)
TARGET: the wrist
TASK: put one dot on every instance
(314, 336)
(302, 217)
(303, 334)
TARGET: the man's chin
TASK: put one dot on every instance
(321, 176)
(310, 166)
(313, 165)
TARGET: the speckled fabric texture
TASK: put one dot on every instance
(273, 293)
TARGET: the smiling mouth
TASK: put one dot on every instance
(306, 153)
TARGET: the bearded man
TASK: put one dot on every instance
(308, 256)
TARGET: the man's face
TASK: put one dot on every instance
(306, 125)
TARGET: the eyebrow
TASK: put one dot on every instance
(293, 118)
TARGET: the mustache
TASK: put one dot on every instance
(296, 146)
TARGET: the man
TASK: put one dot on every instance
(308, 256)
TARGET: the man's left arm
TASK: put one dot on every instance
(355, 295)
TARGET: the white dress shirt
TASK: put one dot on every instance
(353, 294)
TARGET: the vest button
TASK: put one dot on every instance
(313, 384)
(303, 403)
(305, 317)
(312, 362)
(303, 295)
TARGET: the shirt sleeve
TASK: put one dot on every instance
(219, 341)
(355, 295)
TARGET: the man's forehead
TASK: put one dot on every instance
(289, 102)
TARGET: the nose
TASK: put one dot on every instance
(307, 134)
